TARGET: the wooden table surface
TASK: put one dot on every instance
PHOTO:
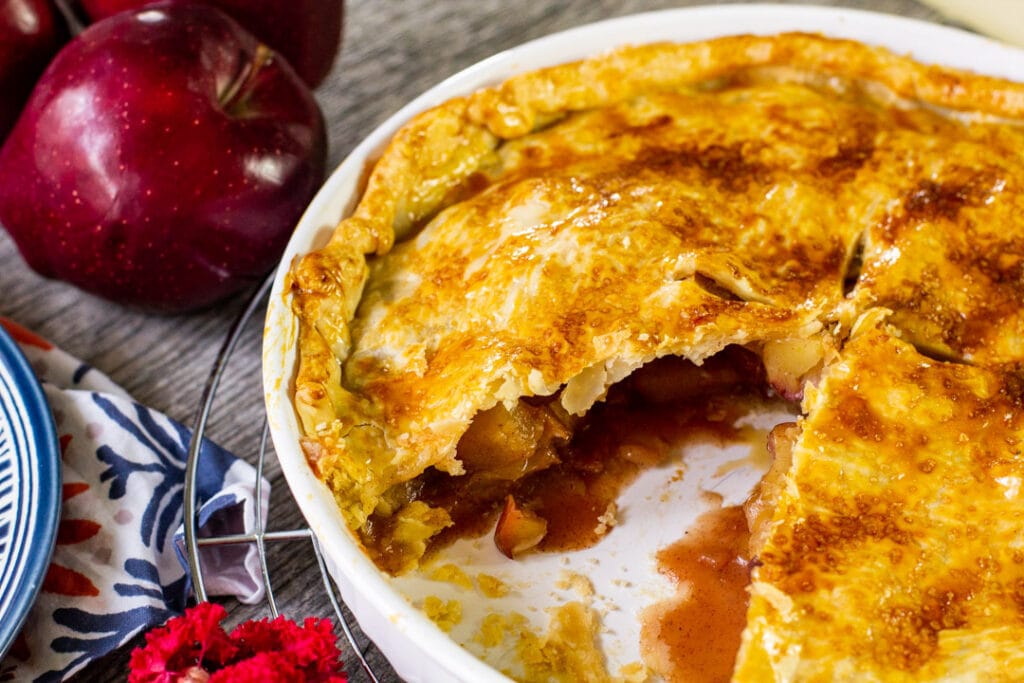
(393, 50)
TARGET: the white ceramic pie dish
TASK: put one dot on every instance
(418, 650)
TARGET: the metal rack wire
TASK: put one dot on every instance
(260, 536)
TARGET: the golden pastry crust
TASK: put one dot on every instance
(895, 551)
(556, 232)
(946, 255)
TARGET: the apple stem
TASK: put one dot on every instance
(263, 56)
(71, 17)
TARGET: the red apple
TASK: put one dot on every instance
(162, 160)
(31, 32)
(306, 32)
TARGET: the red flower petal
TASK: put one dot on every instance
(195, 648)
(312, 647)
(264, 667)
(195, 639)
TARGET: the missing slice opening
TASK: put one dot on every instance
(551, 480)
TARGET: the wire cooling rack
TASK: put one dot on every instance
(260, 536)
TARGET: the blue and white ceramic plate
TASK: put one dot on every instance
(29, 488)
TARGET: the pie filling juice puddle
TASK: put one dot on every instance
(695, 636)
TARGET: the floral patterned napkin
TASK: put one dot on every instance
(118, 565)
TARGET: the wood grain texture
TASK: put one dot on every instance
(393, 50)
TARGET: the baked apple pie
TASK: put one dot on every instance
(548, 280)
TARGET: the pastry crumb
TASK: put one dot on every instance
(607, 520)
(634, 672)
(579, 583)
(569, 651)
(491, 586)
(712, 498)
(495, 627)
(450, 573)
(446, 614)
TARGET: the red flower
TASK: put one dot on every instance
(264, 667)
(195, 649)
(310, 647)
